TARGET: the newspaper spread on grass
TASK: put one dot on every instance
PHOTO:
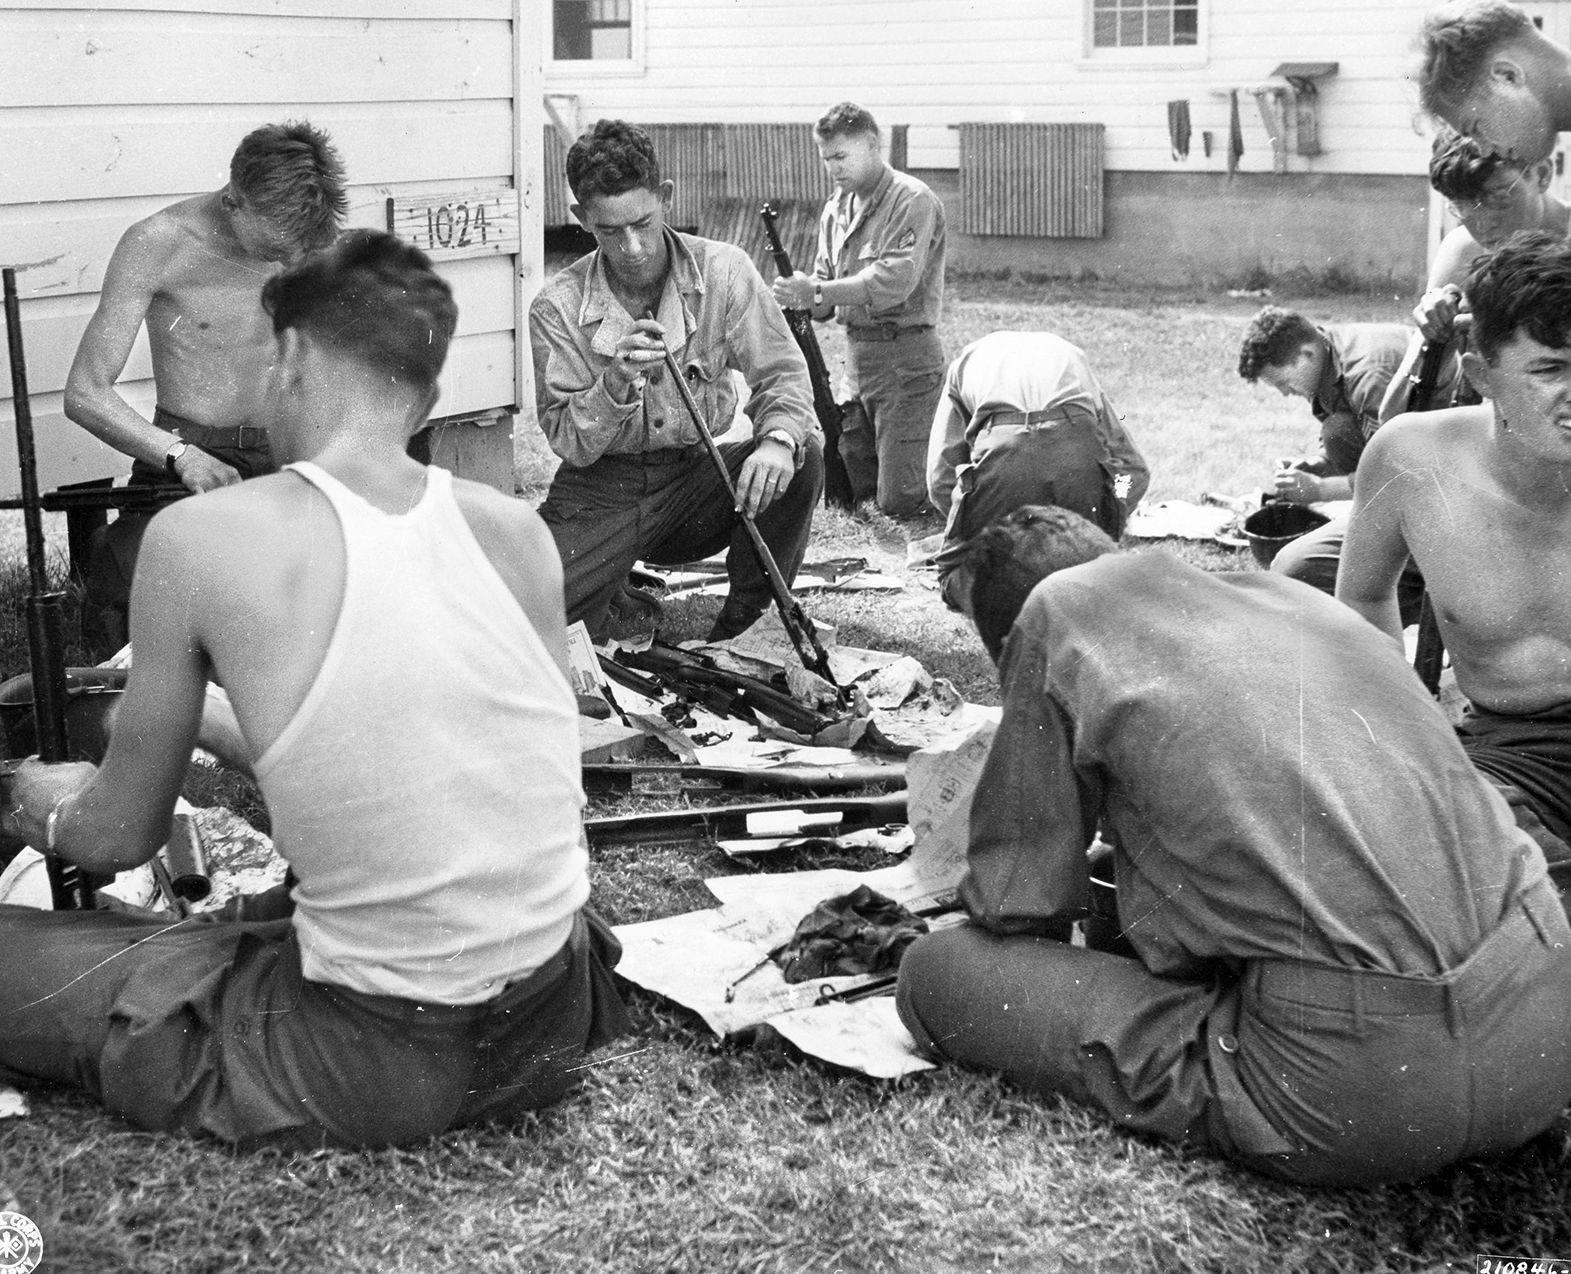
(717, 962)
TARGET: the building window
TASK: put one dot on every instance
(592, 30)
(1145, 24)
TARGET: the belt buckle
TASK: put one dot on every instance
(250, 436)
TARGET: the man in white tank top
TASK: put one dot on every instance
(433, 964)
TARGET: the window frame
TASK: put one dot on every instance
(1164, 55)
(634, 64)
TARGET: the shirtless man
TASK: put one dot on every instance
(193, 273)
(1492, 199)
(1494, 77)
(434, 965)
(1481, 499)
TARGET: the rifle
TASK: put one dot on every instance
(1429, 654)
(797, 625)
(837, 482)
(731, 820)
(68, 885)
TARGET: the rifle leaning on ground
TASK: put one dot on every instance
(68, 885)
(837, 482)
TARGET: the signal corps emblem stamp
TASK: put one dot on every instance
(21, 1244)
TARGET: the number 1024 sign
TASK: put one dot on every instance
(448, 225)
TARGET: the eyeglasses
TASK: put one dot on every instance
(1495, 201)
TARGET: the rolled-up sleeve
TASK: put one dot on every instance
(1034, 814)
(578, 415)
(764, 351)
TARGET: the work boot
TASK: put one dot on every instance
(732, 621)
(633, 613)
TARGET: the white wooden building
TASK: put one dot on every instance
(1341, 190)
(110, 110)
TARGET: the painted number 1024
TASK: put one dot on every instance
(456, 225)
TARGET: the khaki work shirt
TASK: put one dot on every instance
(1024, 372)
(893, 242)
(718, 317)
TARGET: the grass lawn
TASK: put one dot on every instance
(684, 1153)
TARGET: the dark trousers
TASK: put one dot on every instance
(1061, 462)
(112, 553)
(208, 1027)
(892, 389)
(1308, 1073)
(670, 506)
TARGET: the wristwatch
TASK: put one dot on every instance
(780, 435)
(818, 293)
(177, 449)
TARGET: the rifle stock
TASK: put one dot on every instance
(837, 482)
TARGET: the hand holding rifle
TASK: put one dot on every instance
(794, 291)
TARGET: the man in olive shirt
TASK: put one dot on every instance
(880, 268)
(1351, 965)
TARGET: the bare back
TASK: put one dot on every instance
(268, 560)
(1492, 539)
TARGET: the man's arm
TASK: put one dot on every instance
(91, 397)
(1124, 456)
(947, 448)
(761, 347)
(1033, 815)
(117, 817)
(1375, 550)
(583, 408)
(892, 275)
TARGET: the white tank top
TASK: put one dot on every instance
(426, 793)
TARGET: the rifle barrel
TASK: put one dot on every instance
(797, 625)
(45, 608)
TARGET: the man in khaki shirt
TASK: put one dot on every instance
(880, 269)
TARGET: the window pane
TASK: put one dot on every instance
(585, 30)
(1139, 23)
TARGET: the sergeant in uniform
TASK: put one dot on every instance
(880, 270)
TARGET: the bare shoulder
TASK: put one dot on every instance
(1415, 448)
(509, 530)
(238, 525)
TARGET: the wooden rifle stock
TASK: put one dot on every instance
(68, 886)
(837, 482)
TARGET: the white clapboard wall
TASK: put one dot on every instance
(936, 64)
(111, 110)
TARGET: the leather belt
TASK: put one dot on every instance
(1024, 419)
(885, 331)
(231, 436)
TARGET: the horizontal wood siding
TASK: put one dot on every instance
(110, 112)
(934, 64)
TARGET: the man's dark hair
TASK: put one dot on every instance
(293, 175)
(845, 119)
(1017, 553)
(1458, 169)
(611, 159)
(1523, 285)
(372, 298)
(1458, 39)
(1273, 339)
